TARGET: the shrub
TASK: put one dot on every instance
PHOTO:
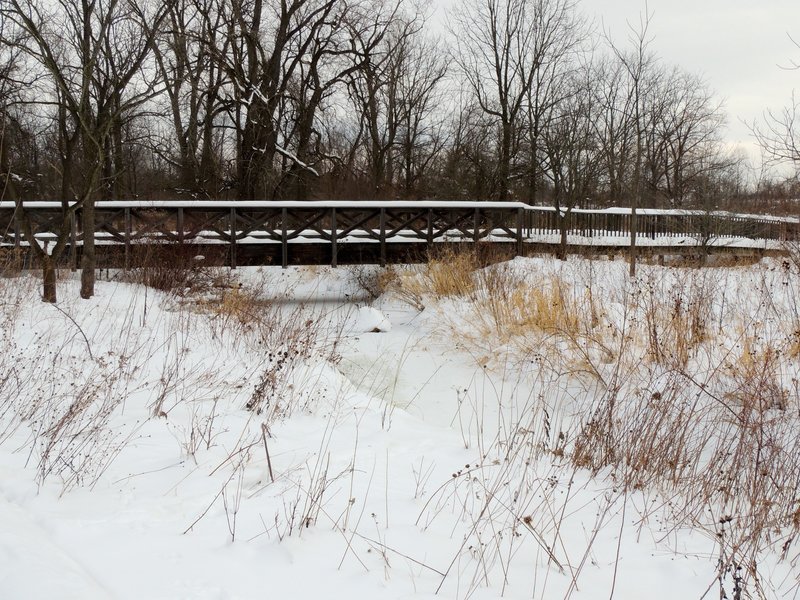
(174, 268)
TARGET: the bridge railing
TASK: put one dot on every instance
(656, 223)
(336, 223)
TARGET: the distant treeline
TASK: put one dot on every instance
(349, 99)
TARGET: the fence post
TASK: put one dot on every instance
(180, 225)
(127, 225)
(17, 216)
(284, 239)
(334, 237)
(383, 237)
(430, 228)
(233, 238)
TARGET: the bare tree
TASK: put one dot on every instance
(613, 127)
(13, 82)
(636, 64)
(393, 92)
(270, 47)
(422, 135)
(192, 81)
(340, 50)
(374, 89)
(93, 53)
(510, 51)
(468, 165)
(779, 132)
(572, 150)
(558, 43)
(13, 43)
(689, 146)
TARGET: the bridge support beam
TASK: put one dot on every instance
(383, 237)
(334, 240)
(232, 227)
(284, 239)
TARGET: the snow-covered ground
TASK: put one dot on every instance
(287, 436)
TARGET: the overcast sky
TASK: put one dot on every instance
(737, 46)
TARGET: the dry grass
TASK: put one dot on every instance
(708, 421)
(449, 272)
(286, 337)
(235, 307)
(191, 370)
(173, 268)
(10, 262)
(510, 306)
(687, 405)
(502, 303)
(677, 314)
(694, 400)
(376, 281)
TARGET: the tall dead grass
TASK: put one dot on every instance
(695, 400)
(449, 272)
(677, 314)
(708, 420)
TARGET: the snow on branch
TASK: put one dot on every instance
(296, 160)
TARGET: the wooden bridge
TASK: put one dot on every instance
(379, 232)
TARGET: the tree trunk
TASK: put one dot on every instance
(632, 253)
(637, 196)
(88, 256)
(505, 163)
(209, 180)
(305, 132)
(119, 189)
(48, 280)
(562, 246)
(533, 176)
(257, 152)
(10, 195)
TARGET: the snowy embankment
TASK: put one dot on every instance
(544, 432)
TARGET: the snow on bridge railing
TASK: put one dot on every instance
(388, 204)
(270, 204)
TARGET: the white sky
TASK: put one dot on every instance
(737, 46)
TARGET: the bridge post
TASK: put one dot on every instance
(127, 225)
(334, 236)
(429, 237)
(17, 228)
(476, 235)
(284, 239)
(232, 226)
(180, 225)
(520, 217)
(383, 237)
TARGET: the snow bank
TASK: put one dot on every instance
(367, 319)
